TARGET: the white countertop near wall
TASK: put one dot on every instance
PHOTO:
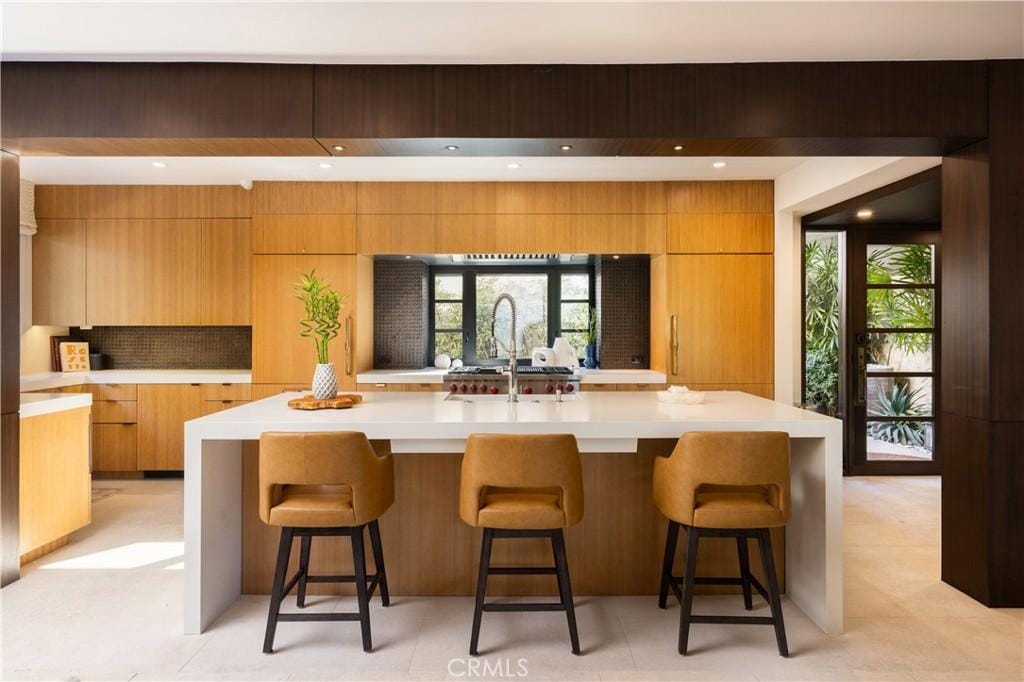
(36, 404)
(432, 375)
(47, 380)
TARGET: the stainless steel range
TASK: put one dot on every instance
(494, 380)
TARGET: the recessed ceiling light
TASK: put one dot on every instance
(512, 165)
(325, 165)
(452, 147)
(718, 164)
(338, 148)
(159, 164)
(566, 147)
(678, 147)
(865, 213)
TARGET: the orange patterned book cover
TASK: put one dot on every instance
(74, 356)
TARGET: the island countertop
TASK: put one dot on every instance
(620, 431)
(602, 422)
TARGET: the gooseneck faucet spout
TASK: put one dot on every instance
(513, 372)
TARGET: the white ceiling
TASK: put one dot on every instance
(512, 32)
(235, 170)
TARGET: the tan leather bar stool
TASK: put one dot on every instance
(724, 484)
(522, 487)
(324, 484)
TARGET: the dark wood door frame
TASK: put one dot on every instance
(855, 424)
(10, 351)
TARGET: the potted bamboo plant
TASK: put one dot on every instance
(323, 307)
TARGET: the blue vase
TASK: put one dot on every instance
(590, 356)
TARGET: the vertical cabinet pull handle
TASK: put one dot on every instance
(675, 345)
(348, 346)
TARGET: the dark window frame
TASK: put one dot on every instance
(469, 273)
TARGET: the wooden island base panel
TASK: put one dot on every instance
(616, 550)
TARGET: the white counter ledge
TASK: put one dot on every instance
(432, 375)
(36, 404)
(47, 380)
(426, 423)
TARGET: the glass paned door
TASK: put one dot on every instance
(894, 310)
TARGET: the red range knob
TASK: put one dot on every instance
(569, 388)
(528, 390)
(462, 388)
(494, 390)
(549, 388)
(560, 387)
(453, 387)
(472, 388)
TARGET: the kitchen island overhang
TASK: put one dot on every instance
(418, 425)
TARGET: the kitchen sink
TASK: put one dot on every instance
(503, 398)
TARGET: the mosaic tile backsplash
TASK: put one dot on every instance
(171, 347)
(624, 304)
(400, 322)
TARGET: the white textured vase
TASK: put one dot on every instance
(325, 381)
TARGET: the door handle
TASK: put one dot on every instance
(862, 377)
(675, 344)
(348, 346)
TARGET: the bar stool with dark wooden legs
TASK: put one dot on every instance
(318, 485)
(724, 484)
(522, 487)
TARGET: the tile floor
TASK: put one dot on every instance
(108, 607)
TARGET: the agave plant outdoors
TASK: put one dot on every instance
(899, 401)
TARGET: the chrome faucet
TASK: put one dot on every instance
(513, 371)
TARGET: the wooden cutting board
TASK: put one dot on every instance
(340, 402)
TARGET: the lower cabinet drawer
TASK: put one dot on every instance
(114, 412)
(211, 406)
(227, 391)
(112, 391)
(114, 447)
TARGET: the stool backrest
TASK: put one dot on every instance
(341, 458)
(511, 461)
(712, 459)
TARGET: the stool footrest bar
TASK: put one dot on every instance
(749, 620)
(528, 606)
(523, 570)
(298, 617)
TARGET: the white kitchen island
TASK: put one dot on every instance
(613, 422)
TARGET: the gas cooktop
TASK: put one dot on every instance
(522, 370)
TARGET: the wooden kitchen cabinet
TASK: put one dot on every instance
(308, 233)
(58, 273)
(279, 354)
(163, 410)
(143, 272)
(722, 307)
(225, 277)
(115, 447)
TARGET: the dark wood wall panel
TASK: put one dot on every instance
(965, 445)
(156, 100)
(965, 295)
(569, 100)
(9, 367)
(830, 99)
(1006, 220)
(10, 220)
(1006, 526)
(472, 101)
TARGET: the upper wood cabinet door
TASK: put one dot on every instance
(143, 272)
(162, 412)
(279, 354)
(58, 273)
(225, 279)
(720, 319)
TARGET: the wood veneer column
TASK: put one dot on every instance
(10, 350)
(981, 426)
